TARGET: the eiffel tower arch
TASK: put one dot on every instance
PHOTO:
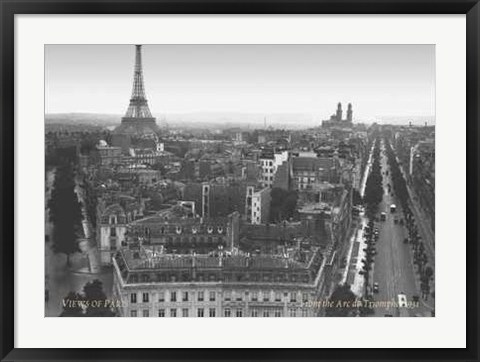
(138, 121)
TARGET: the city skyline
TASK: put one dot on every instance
(394, 80)
(337, 220)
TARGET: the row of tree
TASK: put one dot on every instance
(283, 204)
(420, 257)
(399, 184)
(373, 188)
(65, 212)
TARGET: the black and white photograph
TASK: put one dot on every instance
(239, 180)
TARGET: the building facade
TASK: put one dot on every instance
(206, 286)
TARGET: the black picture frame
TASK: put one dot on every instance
(9, 8)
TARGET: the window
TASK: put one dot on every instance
(200, 296)
(293, 297)
(173, 296)
(185, 312)
(113, 232)
(278, 297)
(173, 312)
(212, 297)
(305, 297)
(228, 296)
(211, 312)
(238, 313)
(113, 220)
(266, 313)
(185, 296)
(200, 312)
(254, 296)
(161, 313)
(227, 313)
(254, 313)
(161, 296)
(278, 313)
(266, 296)
(239, 296)
(133, 298)
(146, 313)
(133, 313)
(145, 298)
(292, 312)
(304, 312)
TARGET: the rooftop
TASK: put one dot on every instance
(146, 259)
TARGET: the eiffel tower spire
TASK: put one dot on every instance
(138, 107)
(138, 120)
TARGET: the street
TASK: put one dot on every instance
(393, 268)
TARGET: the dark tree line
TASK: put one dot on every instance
(92, 302)
(91, 202)
(373, 188)
(342, 300)
(420, 257)
(399, 184)
(57, 156)
(357, 198)
(282, 205)
(65, 212)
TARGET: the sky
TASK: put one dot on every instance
(394, 80)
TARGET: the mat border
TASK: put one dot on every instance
(8, 9)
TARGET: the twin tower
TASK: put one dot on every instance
(338, 115)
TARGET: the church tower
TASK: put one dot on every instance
(339, 112)
(349, 113)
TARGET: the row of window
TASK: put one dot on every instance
(227, 296)
(267, 163)
(212, 312)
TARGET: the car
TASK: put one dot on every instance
(402, 300)
(388, 315)
(375, 287)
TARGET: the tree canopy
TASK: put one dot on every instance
(342, 302)
(283, 204)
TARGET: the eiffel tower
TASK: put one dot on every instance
(138, 120)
